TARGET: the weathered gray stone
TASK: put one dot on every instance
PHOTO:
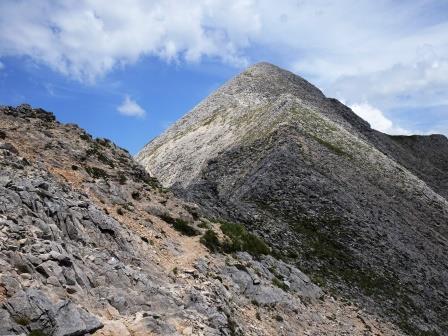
(34, 311)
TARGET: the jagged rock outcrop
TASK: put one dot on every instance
(92, 244)
(363, 213)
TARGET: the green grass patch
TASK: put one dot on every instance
(241, 240)
(332, 147)
(237, 239)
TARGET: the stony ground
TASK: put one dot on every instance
(92, 244)
(363, 213)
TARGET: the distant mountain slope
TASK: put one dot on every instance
(90, 244)
(363, 213)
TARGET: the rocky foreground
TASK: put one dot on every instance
(92, 244)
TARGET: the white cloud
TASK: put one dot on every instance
(87, 38)
(130, 108)
(2, 66)
(390, 53)
(377, 119)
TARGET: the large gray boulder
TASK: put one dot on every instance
(31, 310)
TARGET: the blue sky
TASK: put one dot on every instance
(125, 70)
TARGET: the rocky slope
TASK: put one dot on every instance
(92, 244)
(363, 213)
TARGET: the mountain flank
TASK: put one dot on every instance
(91, 244)
(363, 213)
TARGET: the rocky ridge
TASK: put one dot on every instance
(363, 213)
(92, 244)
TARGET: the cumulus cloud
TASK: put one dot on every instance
(389, 53)
(87, 38)
(377, 119)
(130, 108)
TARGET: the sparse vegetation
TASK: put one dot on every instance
(279, 283)
(211, 241)
(237, 239)
(180, 225)
(241, 240)
(337, 150)
(37, 333)
(85, 136)
(97, 151)
(255, 302)
(203, 225)
(96, 172)
(120, 211)
(122, 178)
(22, 320)
(136, 195)
(183, 227)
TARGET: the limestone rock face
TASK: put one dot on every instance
(91, 244)
(363, 213)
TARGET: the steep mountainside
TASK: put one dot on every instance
(361, 212)
(92, 244)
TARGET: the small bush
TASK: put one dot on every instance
(135, 195)
(22, 320)
(85, 137)
(37, 333)
(211, 241)
(167, 218)
(74, 167)
(97, 151)
(96, 172)
(241, 240)
(279, 283)
(180, 225)
(278, 318)
(122, 179)
(203, 225)
(120, 211)
(255, 303)
(175, 271)
(184, 228)
(103, 142)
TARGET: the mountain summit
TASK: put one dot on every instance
(363, 213)
(248, 106)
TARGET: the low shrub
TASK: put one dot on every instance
(96, 172)
(184, 228)
(279, 283)
(241, 240)
(122, 179)
(211, 241)
(180, 225)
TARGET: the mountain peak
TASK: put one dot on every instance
(269, 80)
(249, 106)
